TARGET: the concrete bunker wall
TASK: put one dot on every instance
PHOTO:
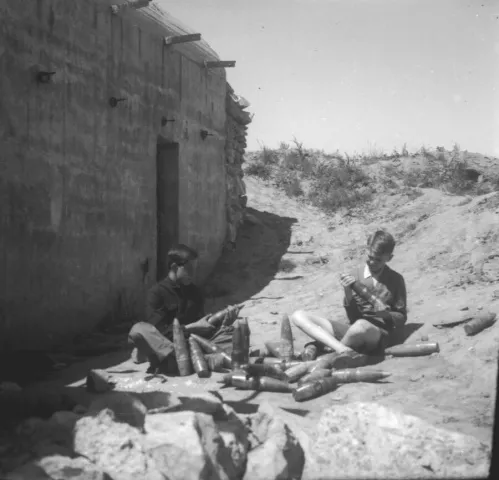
(78, 178)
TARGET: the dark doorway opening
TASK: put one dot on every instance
(167, 201)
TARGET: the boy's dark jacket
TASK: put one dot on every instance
(167, 301)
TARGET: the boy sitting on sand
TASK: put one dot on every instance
(368, 330)
(176, 296)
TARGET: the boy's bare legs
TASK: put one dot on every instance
(362, 335)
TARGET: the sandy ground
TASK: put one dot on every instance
(447, 252)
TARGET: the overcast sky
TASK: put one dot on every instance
(359, 74)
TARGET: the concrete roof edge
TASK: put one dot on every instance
(154, 20)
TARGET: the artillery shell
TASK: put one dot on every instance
(296, 372)
(217, 318)
(181, 350)
(267, 384)
(481, 322)
(274, 348)
(198, 360)
(209, 347)
(260, 370)
(98, 381)
(237, 346)
(292, 363)
(310, 352)
(227, 379)
(217, 362)
(243, 322)
(232, 312)
(315, 389)
(351, 375)
(416, 350)
(286, 345)
(362, 291)
(242, 382)
(255, 360)
(277, 362)
(315, 375)
(341, 360)
(201, 327)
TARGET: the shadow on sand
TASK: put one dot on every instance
(253, 263)
(403, 334)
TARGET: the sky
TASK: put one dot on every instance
(359, 75)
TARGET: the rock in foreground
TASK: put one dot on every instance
(201, 438)
(276, 454)
(365, 440)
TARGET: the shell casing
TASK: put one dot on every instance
(217, 318)
(198, 361)
(363, 292)
(241, 381)
(265, 370)
(274, 348)
(341, 360)
(292, 363)
(255, 360)
(416, 350)
(237, 356)
(217, 362)
(308, 391)
(286, 350)
(479, 323)
(97, 381)
(243, 323)
(232, 312)
(315, 375)
(296, 372)
(181, 350)
(267, 384)
(309, 352)
(210, 347)
(272, 361)
(226, 379)
(352, 375)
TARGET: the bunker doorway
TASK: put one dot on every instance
(167, 201)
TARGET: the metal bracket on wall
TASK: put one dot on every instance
(224, 64)
(135, 5)
(44, 77)
(194, 37)
(165, 120)
(204, 134)
(113, 101)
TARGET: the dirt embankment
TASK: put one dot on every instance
(288, 256)
(447, 252)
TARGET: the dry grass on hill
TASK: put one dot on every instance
(338, 181)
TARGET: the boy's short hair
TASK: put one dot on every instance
(381, 242)
(180, 254)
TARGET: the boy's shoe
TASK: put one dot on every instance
(167, 367)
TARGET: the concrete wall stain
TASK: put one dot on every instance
(77, 177)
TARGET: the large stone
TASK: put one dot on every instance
(235, 439)
(46, 437)
(276, 453)
(187, 446)
(57, 468)
(115, 447)
(207, 403)
(127, 408)
(365, 440)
